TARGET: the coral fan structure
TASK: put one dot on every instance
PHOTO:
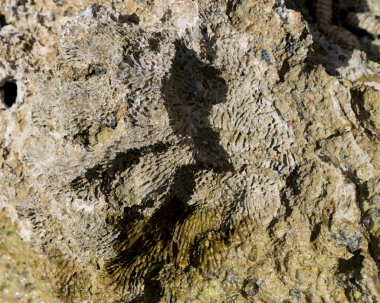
(191, 150)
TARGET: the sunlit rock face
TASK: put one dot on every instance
(190, 151)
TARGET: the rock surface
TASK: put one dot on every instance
(187, 151)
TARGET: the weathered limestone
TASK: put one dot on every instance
(188, 151)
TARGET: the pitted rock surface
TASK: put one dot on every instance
(189, 151)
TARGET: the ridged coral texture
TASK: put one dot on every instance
(189, 151)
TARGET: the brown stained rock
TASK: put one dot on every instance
(366, 103)
(188, 151)
(23, 274)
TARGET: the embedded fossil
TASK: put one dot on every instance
(356, 14)
(197, 157)
(345, 25)
(366, 17)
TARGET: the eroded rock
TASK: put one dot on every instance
(190, 151)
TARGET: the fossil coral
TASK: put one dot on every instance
(193, 151)
(324, 12)
(341, 21)
(365, 21)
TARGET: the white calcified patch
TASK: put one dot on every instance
(282, 12)
(181, 21)
(356, 67)
(374, 6)
(25, 230)
(81, 205)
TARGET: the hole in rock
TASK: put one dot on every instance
(3, 21)
(9, 90)
(129, 19)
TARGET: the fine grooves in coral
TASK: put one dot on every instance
(147, 246)
(140, 249)
(72, 280)
(188, 101)
(324, 12)
(365, 21)
(194, 151)
(106, 173)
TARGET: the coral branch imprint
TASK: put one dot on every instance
(354, 24)
(190, 151)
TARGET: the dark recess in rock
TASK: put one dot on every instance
(9, 90)
(3, 21)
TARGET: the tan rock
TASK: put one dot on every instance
(187, 151)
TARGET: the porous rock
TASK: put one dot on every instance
(188, 151)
